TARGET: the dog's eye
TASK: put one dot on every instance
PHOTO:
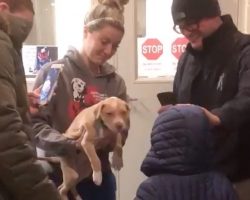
(109, 113)
(123, 112)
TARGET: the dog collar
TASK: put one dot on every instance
(100, 126)
(102, 123)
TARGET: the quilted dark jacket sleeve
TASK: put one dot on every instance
(20, 174)
(147, 191)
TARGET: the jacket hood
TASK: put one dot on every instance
(181, 143)
(74, 56)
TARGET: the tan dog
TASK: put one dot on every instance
(96, 127)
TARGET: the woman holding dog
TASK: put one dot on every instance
(84, 80)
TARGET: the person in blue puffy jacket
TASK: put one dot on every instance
(180, 162)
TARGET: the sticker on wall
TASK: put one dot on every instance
(36, 56)
(155, 60)
(178, 47)
(152, 49)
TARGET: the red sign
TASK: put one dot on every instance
(152, 49)
(179, 46)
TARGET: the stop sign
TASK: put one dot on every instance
(179, 46)
(152, 49)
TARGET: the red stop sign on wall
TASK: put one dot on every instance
(152, 49)
(179, 46)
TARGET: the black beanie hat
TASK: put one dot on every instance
(194, 9)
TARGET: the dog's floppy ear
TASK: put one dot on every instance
(127, 106)
(98, 110)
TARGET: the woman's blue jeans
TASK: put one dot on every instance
(106, 191)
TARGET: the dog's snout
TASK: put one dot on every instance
(119, 126)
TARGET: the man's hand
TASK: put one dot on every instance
(163, 108)
(213, 119)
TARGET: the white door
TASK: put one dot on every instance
(144, 104)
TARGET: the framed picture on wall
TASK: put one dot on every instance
(36, 56)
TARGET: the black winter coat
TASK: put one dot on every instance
(21, 176)
(218, 78)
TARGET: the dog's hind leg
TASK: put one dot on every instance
(63, 192)
(75, 194)
(70, 176)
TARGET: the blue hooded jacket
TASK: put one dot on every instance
(180, 163)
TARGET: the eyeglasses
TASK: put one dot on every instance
(189, 25)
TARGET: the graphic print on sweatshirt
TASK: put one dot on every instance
(83, 96)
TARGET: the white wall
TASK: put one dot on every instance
(69, 23)
(240, 11)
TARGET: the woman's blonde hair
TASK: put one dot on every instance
(106, 12)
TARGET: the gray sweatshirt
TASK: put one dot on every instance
(77, 88)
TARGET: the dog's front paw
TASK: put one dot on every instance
(97, 177)
(117, 162)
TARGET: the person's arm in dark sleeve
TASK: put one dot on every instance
(46, 137)
(236, 112)
(49, 139)
(178, 75)
(20, 173)
(176, 82)
(171, 98)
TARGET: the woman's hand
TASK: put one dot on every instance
(33, 98)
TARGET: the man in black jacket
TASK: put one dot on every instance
(214, 73)
(21, 177)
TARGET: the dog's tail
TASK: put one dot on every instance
(50, 159)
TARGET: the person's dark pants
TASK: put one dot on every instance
(88, 190)
(106, 191)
